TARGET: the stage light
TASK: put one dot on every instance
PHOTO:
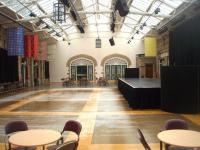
(132, 37)
(157, 10)
(58, 35)
(32, 14)
(137, 32)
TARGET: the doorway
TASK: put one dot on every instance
(82, 68)
(149, 70)
(81, 72)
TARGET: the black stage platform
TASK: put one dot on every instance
(140, 93)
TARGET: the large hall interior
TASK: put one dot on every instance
(99, 74)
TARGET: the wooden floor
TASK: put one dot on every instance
(108, 123)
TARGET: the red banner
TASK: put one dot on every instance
(35, 42)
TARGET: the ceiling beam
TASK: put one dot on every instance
(93, 13)
(139, 22)
(10, 18)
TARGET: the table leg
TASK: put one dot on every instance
(161, 145)
(43, 147)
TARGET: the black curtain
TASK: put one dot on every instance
(8, 67)
(46, 70)
(184, 43)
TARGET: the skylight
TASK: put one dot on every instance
(102, 20)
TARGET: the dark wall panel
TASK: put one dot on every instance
(131, 72)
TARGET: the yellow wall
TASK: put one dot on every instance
(150, 46)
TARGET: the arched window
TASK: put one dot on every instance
(81, 68)
(114, 68)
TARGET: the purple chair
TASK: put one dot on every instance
(175, 124)
(71, 125)
(142, 140)
(71, 145)
(16, 126)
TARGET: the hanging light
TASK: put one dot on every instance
(59, 12)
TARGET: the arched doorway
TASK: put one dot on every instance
(82, 68)
(115, 68)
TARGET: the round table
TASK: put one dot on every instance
(182, 138)
(35, 137)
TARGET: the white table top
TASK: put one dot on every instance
(183, 138)
(36, 137)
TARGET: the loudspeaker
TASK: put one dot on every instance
(121, 6)
(112, 42)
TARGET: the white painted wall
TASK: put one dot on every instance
(86, 46)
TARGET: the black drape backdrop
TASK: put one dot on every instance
(184, 43)
(8, 67)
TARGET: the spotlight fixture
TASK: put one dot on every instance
(69, 43)
(144, 24)
(32, 14)
(132, 37)
(141, 27)
(157, 10)
(58, 35)
(137, 32)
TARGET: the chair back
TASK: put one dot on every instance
(73, 126)
(142, 140)
(176, 124)
(15, 126)
(71, 145)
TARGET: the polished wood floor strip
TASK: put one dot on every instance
(108, 122)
